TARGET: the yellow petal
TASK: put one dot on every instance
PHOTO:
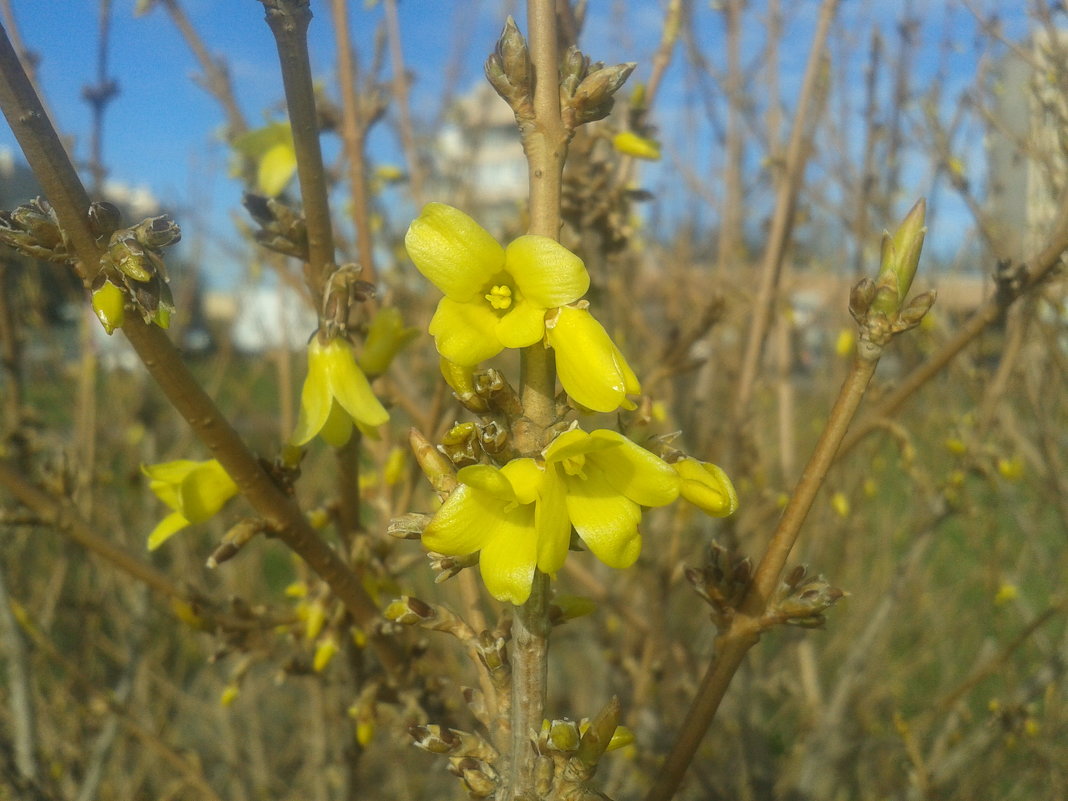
(385, 337)
(507, 561)
(605, 520)
(523, 325)
(315, 398)
(350, 387)
(453, 251)
(591, 368)
(635, 472)
(463, 524)
(545, 271)
(337, 429)
(489, 480)
(465, 333)
(575, 442)
(552, 522)
(525, 477)
(165, 529)
(204, 491)
(276, 169)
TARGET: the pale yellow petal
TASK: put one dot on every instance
(165, 529)
(315, 398)
(507, 560)
(605, 520)
(464, 523)
(337, 430)
(552, 522)
(277, 167)
(465, 333)
(453, 251)
(523, 325)
(545, 271)
(586, 360)
(204, 491)
(635, 472)
(350, 387)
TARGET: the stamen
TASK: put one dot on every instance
(500, 297)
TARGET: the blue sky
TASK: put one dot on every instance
(161, 130)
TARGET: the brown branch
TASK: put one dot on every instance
(288, 20)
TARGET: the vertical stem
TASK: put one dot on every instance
(545, 144)
(288, 20)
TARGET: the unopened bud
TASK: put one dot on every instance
(707, 487)
(385, 337)
(438, 470)
(900, 257)
(594, 97)
(461, 444)
(630, 144)
(157, 232)
(564, 735)
(109, 305)
(104, 218)
(462, 382)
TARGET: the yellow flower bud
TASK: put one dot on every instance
(385, 337)
(395, 465)
(630, 144)
(1006, 593)
(707, 487)
(109, 304)
(840, 504)
(229, 695)
(324, 653)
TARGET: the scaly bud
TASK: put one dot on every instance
(104, 219)
(509, 71)
(408, 526)
(461, 444)
(157, 232)
(594, 97)
(595, 739)
(438, 470)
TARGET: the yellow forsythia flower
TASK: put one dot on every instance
(196, 491)
(336, 394)
(591, 368)
(495, 297)
(595, 482)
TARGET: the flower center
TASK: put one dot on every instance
(500, 296)
(574, 465)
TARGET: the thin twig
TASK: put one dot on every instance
(745, 628)
(785, 201)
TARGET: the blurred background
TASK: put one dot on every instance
(946, 518)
